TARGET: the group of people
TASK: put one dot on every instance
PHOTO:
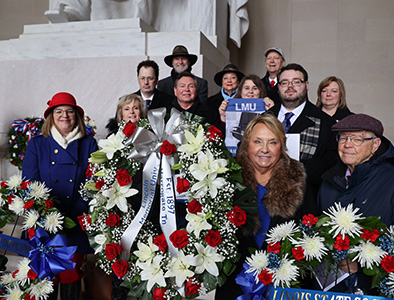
(343, 157)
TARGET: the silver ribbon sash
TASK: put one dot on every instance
(146, 149)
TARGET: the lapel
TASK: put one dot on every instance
(302, 121)
(64, 156)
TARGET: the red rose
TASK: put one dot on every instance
(265, 277)
(298, 253)
(24, 185)
(29, 204)
(342, 243)
(48, 204)
(194, 207)
(192, 286)
(123, 177)
(182, 185)
(159, 294)
(160, 241)
(31, 274)
(10, 199)
(129, 129)
(370, 235)
(4, 184)
(113, 220)
(31, 232)
(388, 263)
(179, 238)
(112, 251)
(214, 133)
(120, 268)
(274, 247)
(167, 148)
(88, 172)
(99, 184)
(213, 238)
(309, 220)
(236, 216)
(83, 220)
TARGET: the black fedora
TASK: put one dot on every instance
(180, 50)
(230, 68)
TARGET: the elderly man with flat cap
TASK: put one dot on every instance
(364, 177)
(181, 61)
(365, 174)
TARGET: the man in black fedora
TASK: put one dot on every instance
(181, 61)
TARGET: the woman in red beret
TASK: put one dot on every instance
(59, 157)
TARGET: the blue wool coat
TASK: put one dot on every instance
(63, 171)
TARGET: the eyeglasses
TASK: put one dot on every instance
(356, 140)
(60, 112)
(295, 82)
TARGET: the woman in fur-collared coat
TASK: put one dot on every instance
(278, 180)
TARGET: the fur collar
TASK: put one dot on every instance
(285, 190)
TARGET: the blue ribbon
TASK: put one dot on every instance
(50, 256)
(251, 289)
(264, 216)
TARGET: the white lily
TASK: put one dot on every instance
(210, 184)
(152, 272)
(194, 143)
(196, 223)
(207, 165)
(117, 196)
(206, 260)
(101, 240)
(112, 144)
(146, 252)
(179, 267)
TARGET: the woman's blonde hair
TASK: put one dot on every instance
(242, 157)
(126, 99)
(342, 91)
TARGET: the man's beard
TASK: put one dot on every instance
(293, 102)
(184, 68)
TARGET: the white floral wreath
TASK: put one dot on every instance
(181, 262)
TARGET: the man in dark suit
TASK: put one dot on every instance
(181, 61)
(299, 115)
(148, 76)
(274, 62)
(186, 99)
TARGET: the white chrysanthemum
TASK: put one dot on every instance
(194, 143)
(368, 254)
(14, 293)
(196, 223)
(17, 206)
(42, 289)
(286, 273)
(31, 218)
(38, 190)
(53, 222)
(282, 231)
(179, 267)
(257, 262)
(146, 252)
(390, 230)
(313, 247)
(390, 283)
(23, 268)
(7, 278)
(14, 181)
(343, 220)
(112, 144)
